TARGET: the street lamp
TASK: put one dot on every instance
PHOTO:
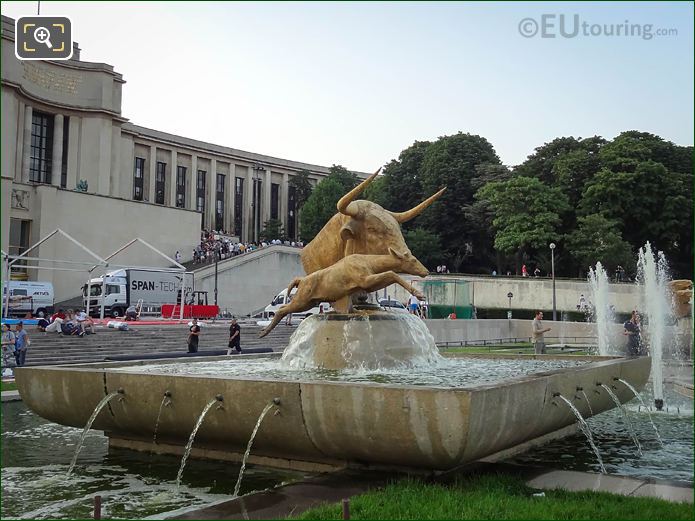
(552, 271)
(256, 203)
(510, 295)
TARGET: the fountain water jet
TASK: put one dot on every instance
(630, 428)
(652, 274)
(602, 313)
(269, 406)
(584, 427)
(166, 401)
(588, 403)
(106, 399)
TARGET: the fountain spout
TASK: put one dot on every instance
(276, 401)
(659, 404)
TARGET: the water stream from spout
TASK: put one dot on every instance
(166, 401)
(584, 427)
(633, 434)
(591, 411)
(97, 409)
(639, 397)
(237, 487)
(191, 438)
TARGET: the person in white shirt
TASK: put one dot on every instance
(84, 323)
(413, 304)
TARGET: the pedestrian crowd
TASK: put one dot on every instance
(218, 246)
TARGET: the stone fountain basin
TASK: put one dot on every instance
(321, 422)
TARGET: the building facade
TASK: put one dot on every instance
(71, 160)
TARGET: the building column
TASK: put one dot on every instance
(282, 199)
(248, 204)
(229, 203)
(26, 161)
(57, 159)
(153, 173)
(192, 188)
(211, 195)
(265, 214)
(172, 180)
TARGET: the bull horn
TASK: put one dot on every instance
(402, 217)
(348, 197)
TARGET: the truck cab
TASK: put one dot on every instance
(281, 299)
(115, 298)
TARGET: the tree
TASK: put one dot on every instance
(375, 191)
(321, 204)
(541, 163)
(425, 245)
(272, 229)
(402, 185)
(302, 187)
(453, 161)
(598, 239)
(527, 213)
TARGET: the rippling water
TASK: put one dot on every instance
(133, 485)
(454, 372)
(672, 462)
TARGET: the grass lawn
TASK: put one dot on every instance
(8, 386)
(496, 497)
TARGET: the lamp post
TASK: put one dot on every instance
(510, 296)
(552, 271)
(256, 203)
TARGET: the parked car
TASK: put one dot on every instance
(392, 305)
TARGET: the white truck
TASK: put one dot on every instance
(36, 298)
(281, 299)
(130, 286)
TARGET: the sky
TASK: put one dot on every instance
(355, 83)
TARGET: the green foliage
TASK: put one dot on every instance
(402, 185)
(375, 191)
(272, 229)
(425, 245)
(496, 496)
(321, 204)
(598, 239)
(453, 162)
(302, 185)
(527, 212)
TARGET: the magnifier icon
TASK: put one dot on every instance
(42, 35)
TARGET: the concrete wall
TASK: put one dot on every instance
(103, 224)
(529, 293)
(249, 282)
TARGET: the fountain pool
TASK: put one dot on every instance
(36, 455)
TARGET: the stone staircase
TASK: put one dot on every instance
(52, 349)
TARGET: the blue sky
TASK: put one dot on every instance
(355, 83)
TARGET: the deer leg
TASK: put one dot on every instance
(382, 280)
(279, 315)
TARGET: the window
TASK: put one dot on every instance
(19, 238)
(180, 187)
(138, 178)
(291, 212)
(274, 194)
(256, 207)
(200, 192)
(64, 159)
(112, 288)
(41, 147)
(238, 205)
(160, 182)
(219, 206)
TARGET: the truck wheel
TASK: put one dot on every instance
(116, 312)
(41, 313)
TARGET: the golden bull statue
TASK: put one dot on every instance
(682, 295)
(361, 248)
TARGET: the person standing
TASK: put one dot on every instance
(234, 337)
(524, 271)
(538, 332)
(21, 344)
(8, 341)
(634, 335)
(194, 333)
(413, 304)
(177, 256)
